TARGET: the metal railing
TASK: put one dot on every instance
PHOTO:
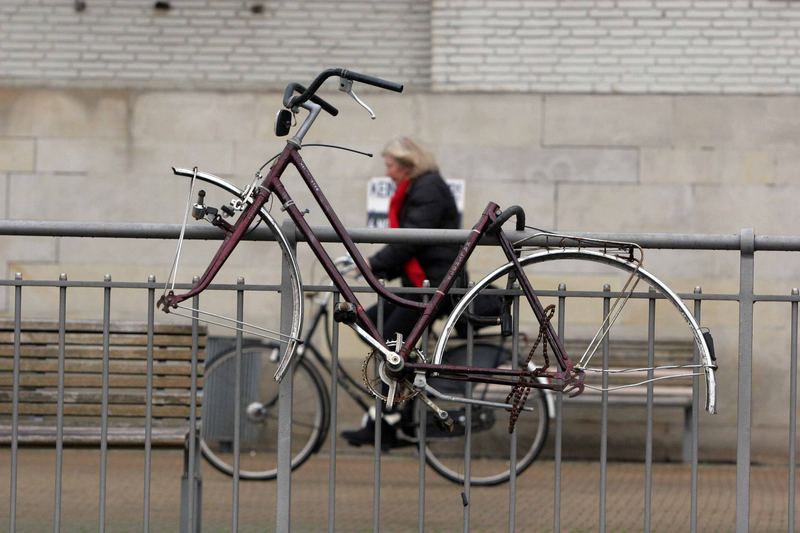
(746, 243)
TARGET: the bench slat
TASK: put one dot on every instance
(131, 436)
(95, 409)
(96, 326)
(95, 366)
(138, 397)
(94, 380)
(95, 339)
(96, 352)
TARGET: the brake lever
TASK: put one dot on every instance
(346, 86)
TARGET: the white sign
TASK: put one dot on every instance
(380, 191)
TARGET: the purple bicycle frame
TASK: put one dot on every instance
(272, 185)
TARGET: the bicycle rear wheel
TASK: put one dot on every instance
(258, 427)
(583, 322)
(490, 441)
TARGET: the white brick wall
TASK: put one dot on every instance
(622, 46)
(209, 43)
(598, 46)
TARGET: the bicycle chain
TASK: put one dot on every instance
(520, 391)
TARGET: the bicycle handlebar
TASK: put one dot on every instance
(505, 215)
(294, 86)
(309, 93)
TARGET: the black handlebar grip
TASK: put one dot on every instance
(289, 101)
(505, 215)
(372, 80)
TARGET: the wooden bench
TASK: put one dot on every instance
(676, 393)
(83, 379)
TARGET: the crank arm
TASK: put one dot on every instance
(392, 384)
(441, 414)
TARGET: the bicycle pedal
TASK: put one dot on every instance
(447, 425)
(345, 312)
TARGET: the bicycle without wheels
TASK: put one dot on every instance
(403, 368)
(311, 407)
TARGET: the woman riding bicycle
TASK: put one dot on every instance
(421, 199)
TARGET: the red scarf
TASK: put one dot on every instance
(412, 267)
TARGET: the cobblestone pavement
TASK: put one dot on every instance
(488, 509)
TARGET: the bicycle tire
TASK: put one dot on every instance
(490, 440)
(594, 257)
(258, 427)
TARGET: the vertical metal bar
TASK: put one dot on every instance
(648, 454)
(334, 394)
(695, 421)
(148, 416)
(421, 436)
(378, 419)
(422, 417)
(285, 391)
(512, 480)
(62, 339)
(193, 520)
(237, 404)
(104, 407)
(562, 301)
(604, 419)
(15, 400)
(743, 418)
(793, 413)
(466, 495)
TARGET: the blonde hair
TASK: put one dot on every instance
(411, 155)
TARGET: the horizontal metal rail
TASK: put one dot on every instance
(776, 243)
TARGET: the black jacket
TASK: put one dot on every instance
(428, 204)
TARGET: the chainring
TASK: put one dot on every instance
(370, 375)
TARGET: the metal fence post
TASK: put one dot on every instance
(12, 507)
(793, 410)
(648, 451)
(105, 401)
(562, 313)
(148, 418)
(237, 405)
(284, 503)
(746, 275)
(604, 418)
(695, 420)
(422, 435)
(62, 343)
(191, 482)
